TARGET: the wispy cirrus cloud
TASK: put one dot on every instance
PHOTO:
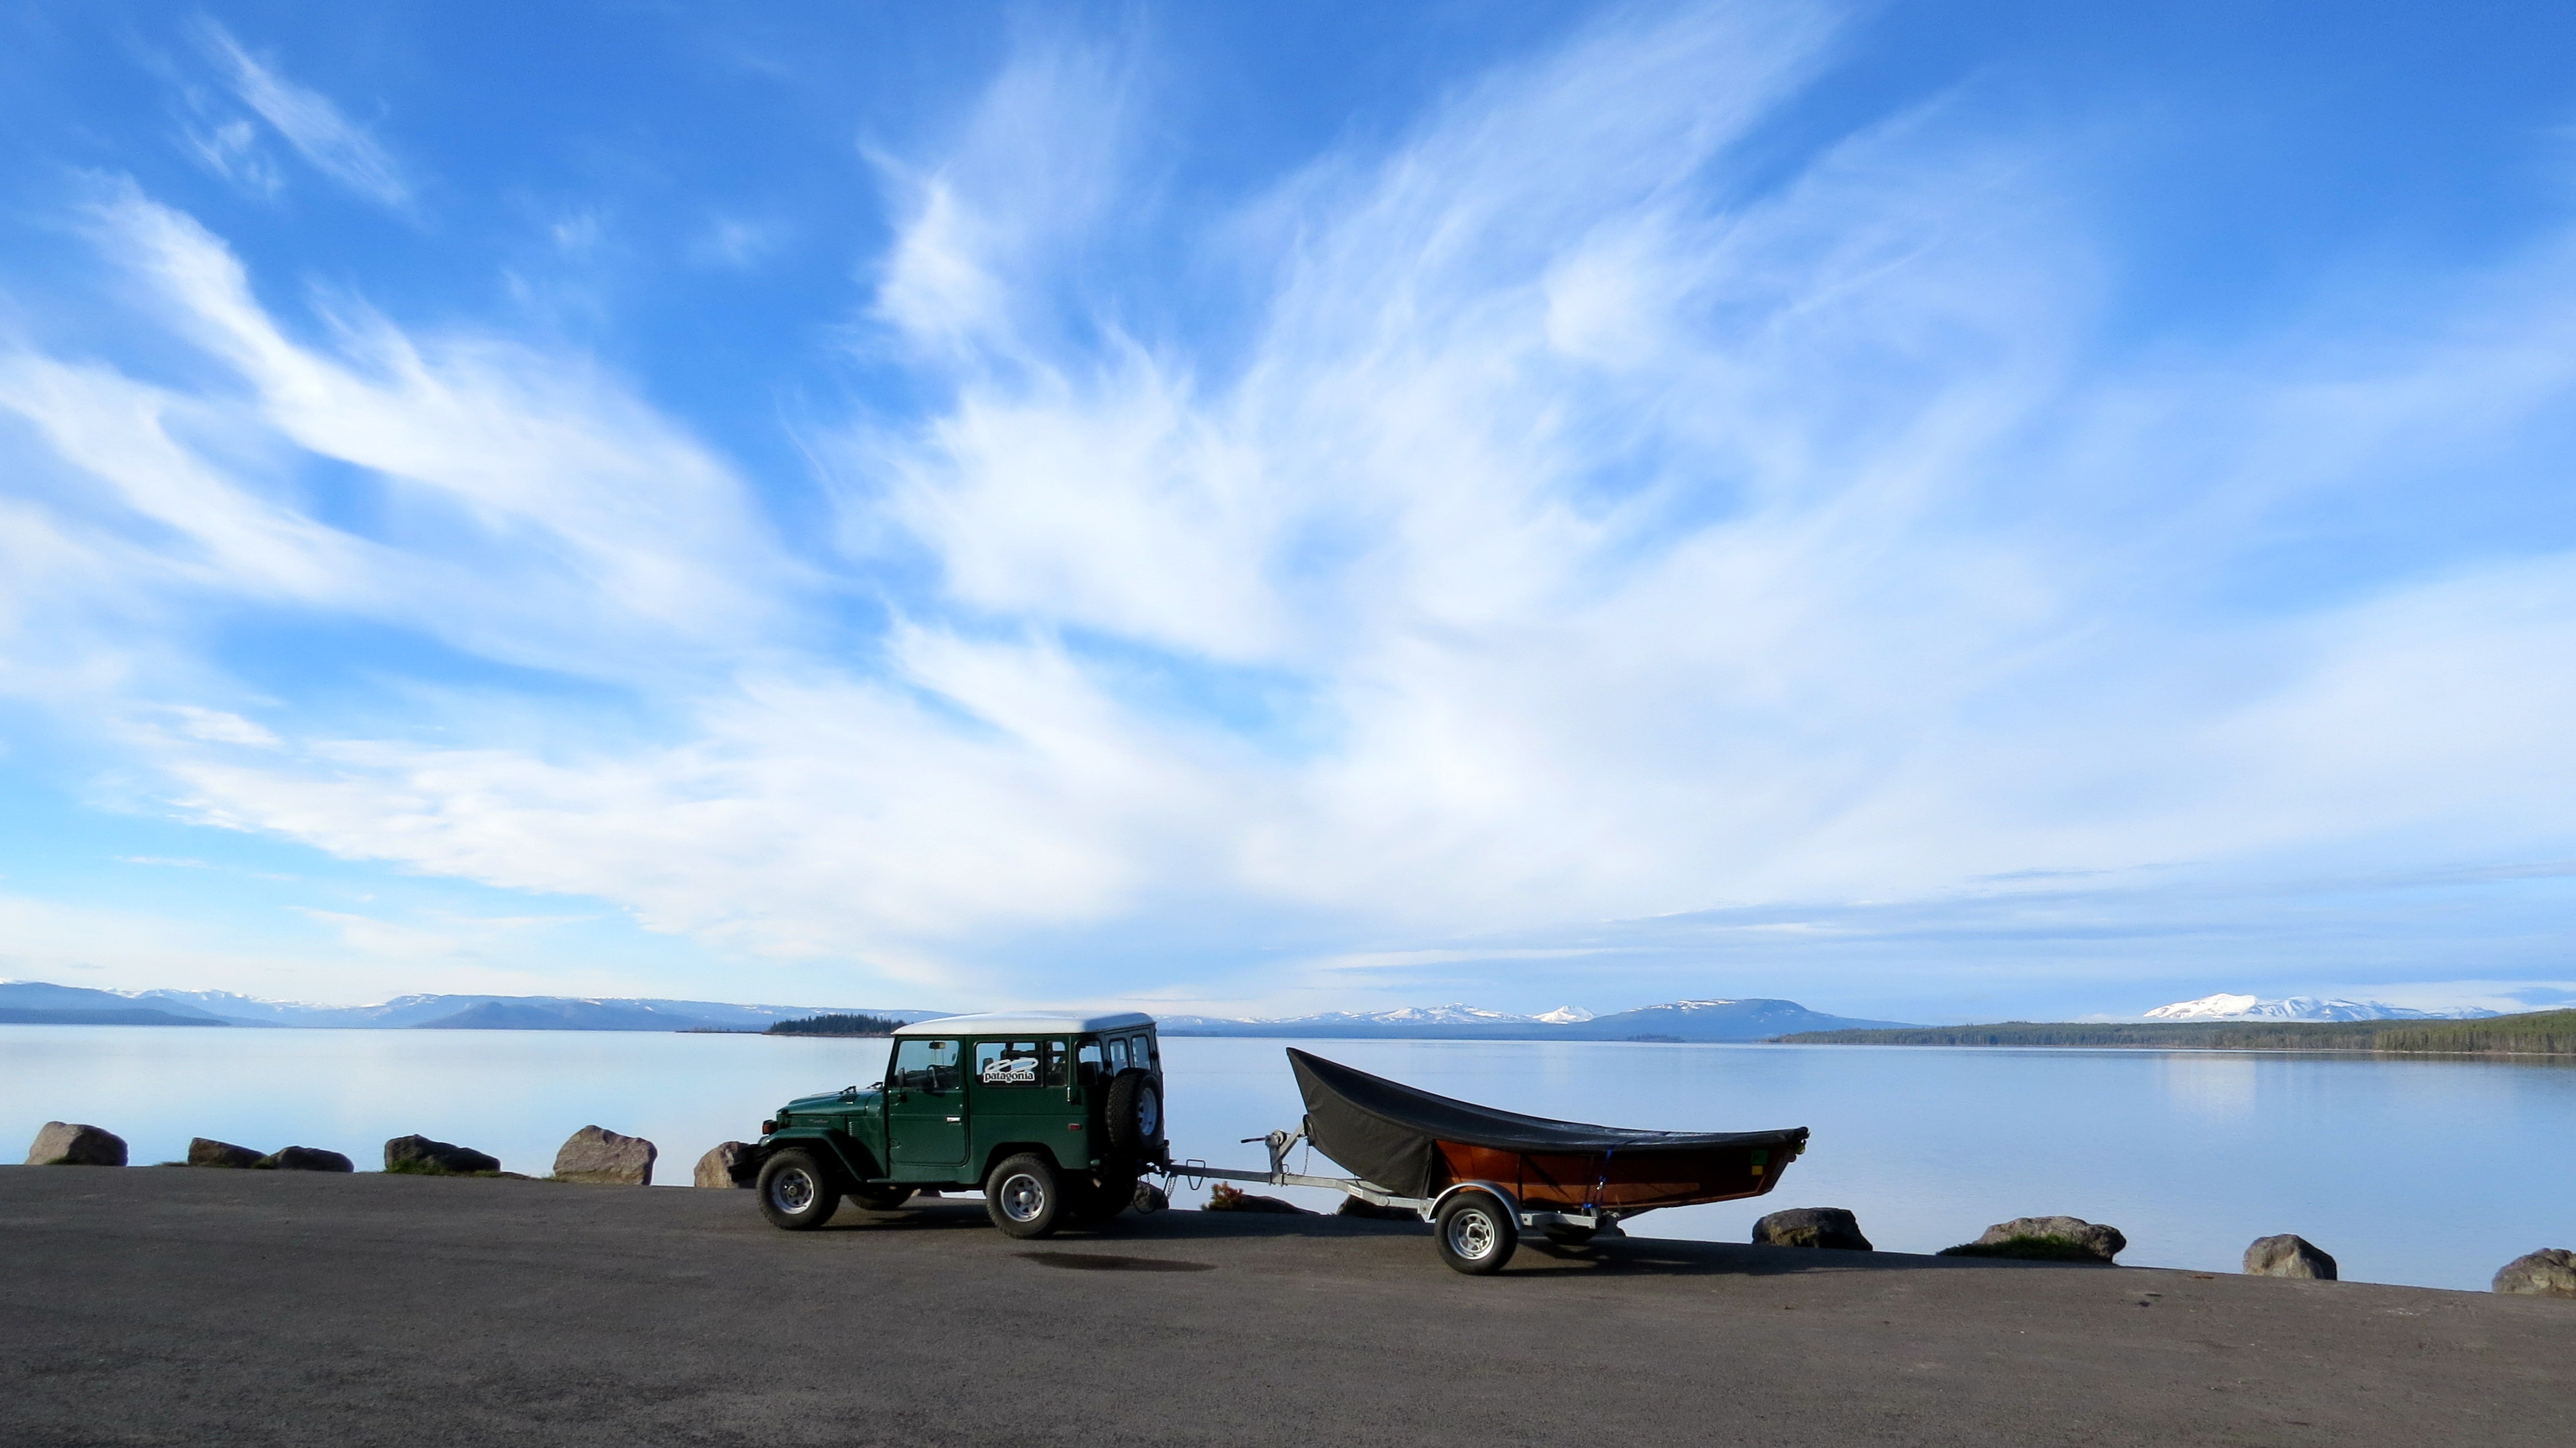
(1574, 534)
(306, 119)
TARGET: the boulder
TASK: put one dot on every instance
(602, 1157)
(1811, 1227)
(722, 1166)
(1223, 1198)
(420, 1156)
(308, 1158)
(206, 1151)
(2071, 1238)
(2288, 1256)
(1149, 1199)
(68, 1143)
(2547, 1273)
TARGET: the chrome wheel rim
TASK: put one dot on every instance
(1023, 1197)
(1471, 1234)
(791, 1191)
(1149, 1113)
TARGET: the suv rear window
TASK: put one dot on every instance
(1019, 1063)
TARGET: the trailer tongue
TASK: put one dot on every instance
(1481, 1174)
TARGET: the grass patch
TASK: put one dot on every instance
(2028, 1249)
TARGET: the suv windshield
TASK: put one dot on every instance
(922, 1065)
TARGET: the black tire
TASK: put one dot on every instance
(1476, 1233)
(1026, 1196)
(1132, 1120)
(797, 1192)
(1564, 1236)
(880, 1199)
(1101, 1200)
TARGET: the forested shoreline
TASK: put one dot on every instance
(2536, 1033)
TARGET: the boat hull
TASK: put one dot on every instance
(1621, 1181)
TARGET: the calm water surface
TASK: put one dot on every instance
(2426, 1172)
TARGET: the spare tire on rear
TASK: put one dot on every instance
(1133, 1116)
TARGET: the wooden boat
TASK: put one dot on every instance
(1412, 1144)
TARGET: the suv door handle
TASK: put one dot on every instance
(957, 1118)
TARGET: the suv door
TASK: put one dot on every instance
(1017, 1088)
(925, 1105)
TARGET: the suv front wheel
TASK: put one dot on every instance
(1025, 1196)
(796, 1193)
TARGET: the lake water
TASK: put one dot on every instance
(2433, 1173)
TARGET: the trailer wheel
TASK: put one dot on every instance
(796, 1193)
(1133, 1115)
(1476, 1233)
(1025, 1196)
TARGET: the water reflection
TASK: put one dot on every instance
(2429, 1172)
(2209, 1085)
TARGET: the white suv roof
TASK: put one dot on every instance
(1025, 1023)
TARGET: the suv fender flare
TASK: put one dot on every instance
(855, 1162)
(1003, 1152)
(1511, 1203)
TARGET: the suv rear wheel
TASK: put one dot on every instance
(796, 1192)
(1025, 1196)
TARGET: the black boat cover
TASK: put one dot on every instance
(1384, 1132)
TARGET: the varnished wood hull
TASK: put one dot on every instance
(1627, 1181)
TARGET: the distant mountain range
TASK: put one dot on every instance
(2225, 1007)
(28, 1002)
(1704, 1020)
(35, 1002)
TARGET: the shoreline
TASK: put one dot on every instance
(236, 1307)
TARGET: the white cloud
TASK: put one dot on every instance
(307, 120)
(1600, 528)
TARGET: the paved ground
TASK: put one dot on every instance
(170, 1306)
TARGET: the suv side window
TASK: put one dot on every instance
(1013, 1063)
(922, 1065)
(1117, 1054)
(1088, 1063)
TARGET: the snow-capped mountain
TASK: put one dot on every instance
(40, 1003)
(2226, 1007)
(1449, 1015)
(1701, 1020)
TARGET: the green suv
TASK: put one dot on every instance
(1052, 1117)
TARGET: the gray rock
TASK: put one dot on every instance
(68, 1143)
(2288, 1256)
(420, 1156)
(1811, 1227)
(308, 1158)
(722, 1166)
(2093, 1238)
(206, 1151)
(602, 1157)
(2550, 1272)
(1149, 1199)
(1224, 1198)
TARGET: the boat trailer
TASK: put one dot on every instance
(1479, 1222)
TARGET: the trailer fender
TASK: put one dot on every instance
(1511, 1203)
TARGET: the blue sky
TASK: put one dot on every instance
(1936, 511)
